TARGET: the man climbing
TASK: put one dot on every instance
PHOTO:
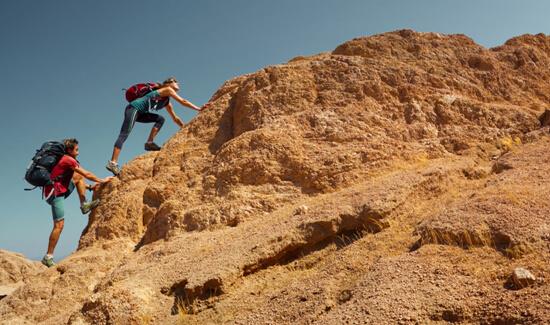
(141, 110)
(64, 182)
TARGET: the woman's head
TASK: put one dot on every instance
(171, 82)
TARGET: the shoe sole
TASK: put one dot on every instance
(86, 211)
(156, 148)
(152, 149)
(46, 265)
(112, 171)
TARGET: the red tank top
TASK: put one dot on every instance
(62, 174)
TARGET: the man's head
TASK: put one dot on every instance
(172, 83)
(71, 147)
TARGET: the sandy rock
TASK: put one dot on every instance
(545, 118)
(302, 209)
(509, 214)
(6, 290)
(522, 278)
(61, 288)
(14, 268)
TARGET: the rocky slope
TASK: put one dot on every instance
(398, 179)
(15, 270)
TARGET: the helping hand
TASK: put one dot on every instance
(96, 185)
(105, 180)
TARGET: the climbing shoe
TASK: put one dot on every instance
(88, 206)
(113, 168)
(48, 261)
(151, 146)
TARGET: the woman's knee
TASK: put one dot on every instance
(159, 122)
(121, 139)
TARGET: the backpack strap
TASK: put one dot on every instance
(52, 183)
(49, 194)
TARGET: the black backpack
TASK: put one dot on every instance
(38, 172)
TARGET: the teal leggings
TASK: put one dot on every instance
(58, 203)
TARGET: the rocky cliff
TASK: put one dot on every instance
(400, 178)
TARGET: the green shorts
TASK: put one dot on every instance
(58, 203)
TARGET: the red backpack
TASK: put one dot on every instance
(139, 90)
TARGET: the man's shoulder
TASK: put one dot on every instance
(68, 160)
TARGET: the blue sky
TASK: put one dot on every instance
(63, 64)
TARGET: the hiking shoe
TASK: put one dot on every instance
(113, 168)
(88, 206)
(48, 261)
(151, 146)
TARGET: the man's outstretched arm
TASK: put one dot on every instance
(90, 176)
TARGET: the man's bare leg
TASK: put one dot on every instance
(80, 185)
(78, 181)
(54, 236)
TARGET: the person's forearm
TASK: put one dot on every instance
(189, 104)
(92, 177)
(167, 91)
(178, 121)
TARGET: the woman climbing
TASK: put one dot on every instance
(142, 110)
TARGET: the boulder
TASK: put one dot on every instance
(522, 278)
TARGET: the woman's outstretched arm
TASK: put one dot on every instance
(169, 92)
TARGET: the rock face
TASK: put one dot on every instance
(15, 269)
(396, 179)
(545, 118)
